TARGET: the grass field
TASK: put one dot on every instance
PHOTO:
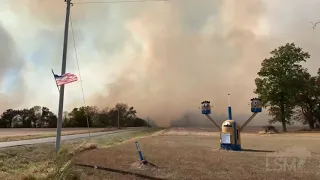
(15, 134)
(178, 153)
(40, 161)
(192, 154)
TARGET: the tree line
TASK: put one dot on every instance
(287, 89)
(42, 117)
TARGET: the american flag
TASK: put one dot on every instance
(65, 78)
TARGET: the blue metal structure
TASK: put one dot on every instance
(205, 107)
(230, 130)
(229, 108)
(139, 151)
(256, 105)
(229, 113)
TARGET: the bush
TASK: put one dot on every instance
(269, 129)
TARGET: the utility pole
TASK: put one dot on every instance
(118, 118)
(63, 71)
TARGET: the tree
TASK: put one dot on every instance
(129, 117)
(279, 80)
(38, 115)
(308, 101)
(92, 114)
(275, 113)
(126, 114)
(20, 118)
(48, 118)
(317, 113)
(76, 118)
(103, 119)
(17, 121)
(7, 117)
(28, 117)
(42, 117)
(138, 122)
(80, 116)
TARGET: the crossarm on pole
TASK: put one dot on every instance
(213, 121)
(248, 121)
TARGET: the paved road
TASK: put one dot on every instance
(63, 138)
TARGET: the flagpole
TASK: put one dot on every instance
(55, 80)
(63, 71)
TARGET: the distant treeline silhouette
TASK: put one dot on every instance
(42, 117)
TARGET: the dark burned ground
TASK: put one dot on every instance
(195, 156)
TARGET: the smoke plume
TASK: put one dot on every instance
(164, 58)
(11, 63)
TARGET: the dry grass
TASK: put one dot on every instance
(16, 134)
(184, 154)
(40, 161)
(179, 154)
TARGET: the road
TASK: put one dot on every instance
(63, 138)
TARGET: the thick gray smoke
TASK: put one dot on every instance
(164, 58)
(198, 50)
(11, 64)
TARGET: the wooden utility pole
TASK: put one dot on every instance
(118, 118)
(63, 71)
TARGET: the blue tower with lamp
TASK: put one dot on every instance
(205, 107)
(230, 136)
(256, 105)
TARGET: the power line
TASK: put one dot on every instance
(76, 54)
(119, 1)
(74, 42)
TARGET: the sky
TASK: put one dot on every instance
(163, 58)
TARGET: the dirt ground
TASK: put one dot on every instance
(181, 153)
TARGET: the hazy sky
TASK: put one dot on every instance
(163, 58)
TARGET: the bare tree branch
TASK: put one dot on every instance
(314, 24)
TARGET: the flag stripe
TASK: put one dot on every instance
(65, 78)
